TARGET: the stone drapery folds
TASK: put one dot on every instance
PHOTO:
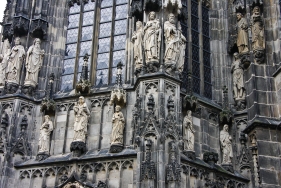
(226, 145)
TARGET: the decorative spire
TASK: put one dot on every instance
(83, 86)
(119, 74)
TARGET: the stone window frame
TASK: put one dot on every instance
(76, 61)
(199, 65)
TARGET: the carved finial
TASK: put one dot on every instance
(150, 103)
(225, 98)
(84, 84)
(171, 104)
(119, 74)
(189, 83)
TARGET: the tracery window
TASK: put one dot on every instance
(206, 52)
(112, 32)
(78, 41)
(99, 29)
(195, 46)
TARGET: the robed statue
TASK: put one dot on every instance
(82, 114)
(118, 123)
(238, 78)
(257, 30)
(137, 40)
(242, 34)
(15, 60)
(226, 145)
(44, 138)
(34, 60)
(152, 38)
(188, 132)
(4, 60)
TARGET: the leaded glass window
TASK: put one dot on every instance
(78, 42)
(206, 53)
(195, 46)
(112, 40)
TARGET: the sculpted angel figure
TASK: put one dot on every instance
(152, 38)
(118, 123)
(82, 114)
(137, 40)
(188, 131)
(226, 145)
(34, 60)
(44, 138)
(15, 60)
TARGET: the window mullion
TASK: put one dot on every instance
(78, 45)
(111, 42)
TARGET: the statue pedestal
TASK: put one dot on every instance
(11, 87)
(42, 156)
(190, 154)
(77, 148)
(228, 167)
(116, 148)
(28, 89)
(2, 90)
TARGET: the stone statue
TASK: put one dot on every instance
(15, 60)
(118, 123)
(226, 145)
(238, 78)
(3, 61)
(137, 40)
(182, 46)
(82, 114)
(242, 35)
(257, 30)
(188, 132)
(44, 138)
(34, 60)
(152, 38)
(171, 39)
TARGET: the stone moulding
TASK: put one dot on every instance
(118, 97)
(20, 25)
(39, 28)
(77, 148)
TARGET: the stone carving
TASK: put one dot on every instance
(83, 86)
(148, 170)
(14, 64)
(242, 35)
(138, 53)
(72, 185)
(175, 43)
(237, 71)
(211, 158)
(171, 128)
(173, 168)
(258, 42)
(188, 132)
(118, 123)
(3, 133)
(118, 94)
(226, 145)
(48, 105)
(34, 60)
(3, 61)
(173, 5)
(82, 114)
(244, 158)
(21, 146)
(44, 138)
(152, 39)
(182, 46)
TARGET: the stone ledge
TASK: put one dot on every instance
(216, 168)
(262, 122)
(67, 158)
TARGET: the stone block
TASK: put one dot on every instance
(268, 176)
